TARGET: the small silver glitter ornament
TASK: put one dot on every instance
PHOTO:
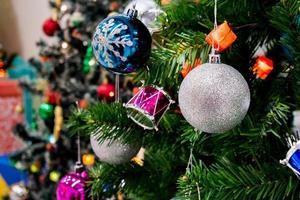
(114, 152)
(214, 97)
(148, 12)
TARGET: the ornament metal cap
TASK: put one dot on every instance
(214, 58)
(132, 12)
(294, 148)
(78, 167)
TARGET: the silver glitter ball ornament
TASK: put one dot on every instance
(214, 98)
(114, 152)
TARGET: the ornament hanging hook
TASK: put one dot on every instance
(132, 12)
(213, 57)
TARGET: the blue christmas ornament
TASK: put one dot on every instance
(122, 43)
(292, 159)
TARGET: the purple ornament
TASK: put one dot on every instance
(72, 186)
(147, 107)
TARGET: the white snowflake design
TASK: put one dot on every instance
(106, 41)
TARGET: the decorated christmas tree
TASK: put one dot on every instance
(214, 114)
(215, 105)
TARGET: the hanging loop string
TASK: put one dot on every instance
(215, 27)
(213, 57)
(215, 15)
(78, 139)
(117, 88)
(78, 149)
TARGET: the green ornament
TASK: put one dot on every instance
(34, 125)
(86, 68)
(46, 111)
(76, 23)
(89, 61)
(77, 19)
(89, 51)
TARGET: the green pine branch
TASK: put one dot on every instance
(105, 121)
(226, 180)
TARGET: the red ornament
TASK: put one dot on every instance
(50, 26)
(188, 67)
(221, 38)
(52, 97)
(106, 91)
(263, 67)
(44, 59)
(50, 147)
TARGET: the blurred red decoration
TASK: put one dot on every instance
(263, 67)
(50, 26)
(221, 38)
(44, 59)
(83, 103)
(188, 67)
(1, 64)
(106, 91)
(50, 147)
(114, 6)
(52, 97)
(76, 34)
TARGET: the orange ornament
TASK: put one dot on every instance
(221, 38)
(88, 159)
(263, 67)
(44, 59)
(50, 147)
(83, 103)
(135, 90)
(165, 2)
(114, 6)
(2, 73)
(188, 67)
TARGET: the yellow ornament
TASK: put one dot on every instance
(19, 108)
(120, 195)
(34, 168)
(4, 189)
(88, 159)
(58, 121)
(184, 178)
(58, 3)
(139, 158)
(58, 111)
(54, 176)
